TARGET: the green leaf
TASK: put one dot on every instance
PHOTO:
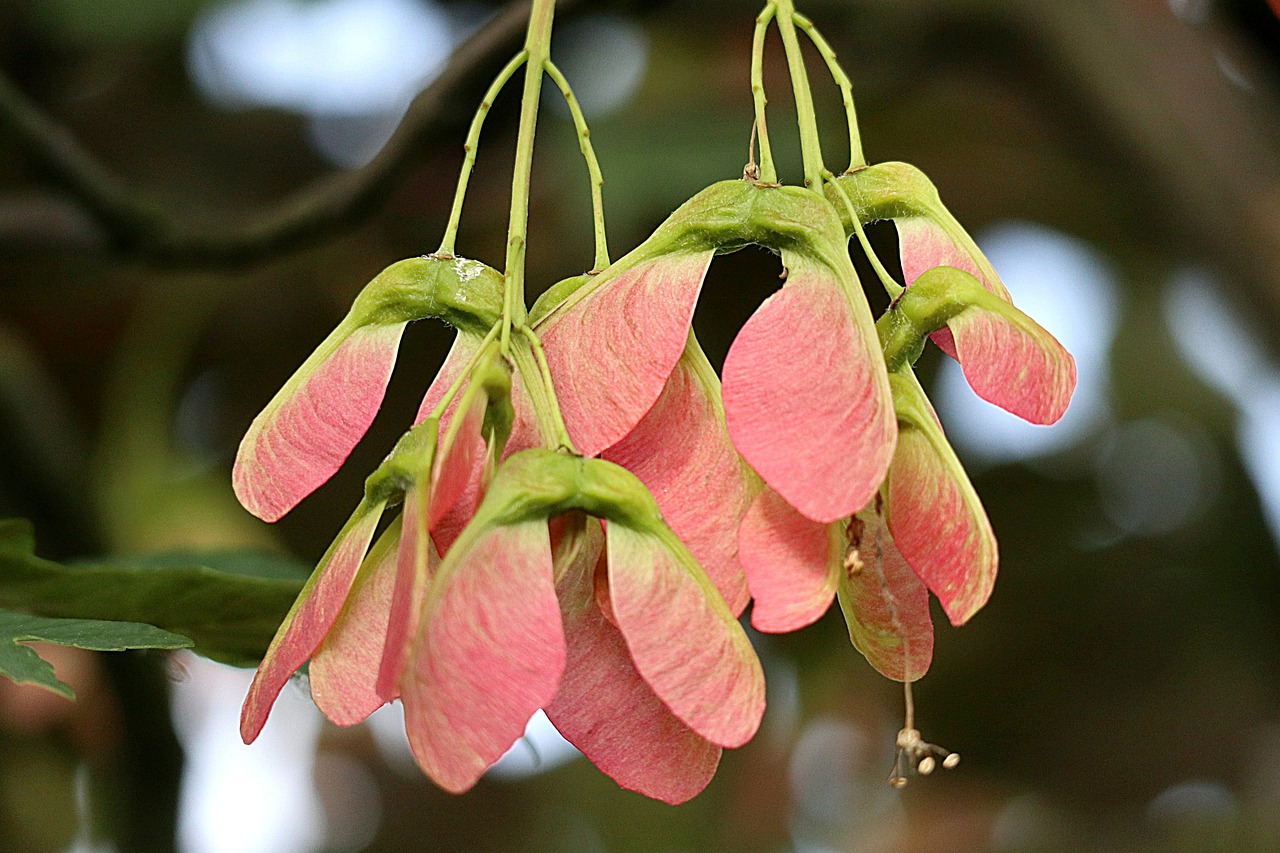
(229, 603)
(24, 666)
(250, 564)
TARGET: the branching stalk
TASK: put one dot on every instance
(768, 174)
(891, 287)
(535, 343)
(145, 229)
(537, 47)
(593, 165)
(856, 158)
(810, 146)
(470, 147)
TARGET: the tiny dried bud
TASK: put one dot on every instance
(853, 561)
(918, 757)
(898, 778)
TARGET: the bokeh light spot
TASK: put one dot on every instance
(1065, 286)
(1155, 476)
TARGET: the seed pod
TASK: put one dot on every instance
(311, 425)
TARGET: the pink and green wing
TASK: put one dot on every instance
(460, 493)
(310, 619)
(925, 243)
(416, 560)
(460, 355)
(1007, 358)
(933, 512)
(433, 496)
(310, 427)
(938, 240)
(343, 672)
(806, 397)
(1010, 361)
(460, 462)
(612, 344)
(685, 642)
(792, 563)
(489, 652)
(886, 607)
(681, 451)
(607, 710)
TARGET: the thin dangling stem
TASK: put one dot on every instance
(593, 165)
(470, 146)
(768, 174)
(537, 47)
(856, 158)
(891, 287)
(914, 754)
(810, 146)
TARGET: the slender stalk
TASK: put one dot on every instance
(891, 287)
(768, 174)
(464, 375)
(856, 158)
(911, 706)
(537, 46)
(535, 343)
(470, 147)
(593, 165)
(810, 147)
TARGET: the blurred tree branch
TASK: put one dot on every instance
(1158, 88)
(142, 228)
(1209, 143)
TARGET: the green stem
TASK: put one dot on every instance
(856, 158)
(537, 46)
(562, 432)
(891, 287)
(593, 165)
(470, 147)
(768, 174)
(465, 374)
(810, 147)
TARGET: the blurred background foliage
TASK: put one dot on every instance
(1120, 161)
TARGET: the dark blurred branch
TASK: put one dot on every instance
(140, 227)
(141, 787)
(1209, 144)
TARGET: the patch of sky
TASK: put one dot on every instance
(353, 66)
(350, 66)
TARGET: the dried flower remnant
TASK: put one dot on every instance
(914, 756)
